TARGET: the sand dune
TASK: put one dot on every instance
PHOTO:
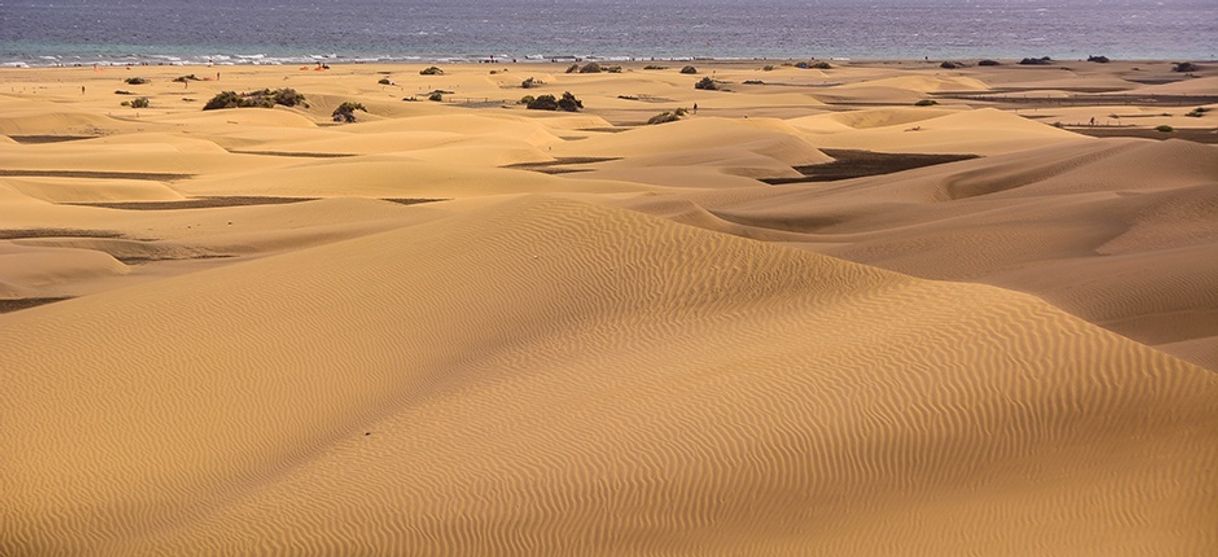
(468, 328)
(371, 415)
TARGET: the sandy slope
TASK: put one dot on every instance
(599, 337)
(714, 395)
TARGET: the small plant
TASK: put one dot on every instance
(135, 81)
(821, 66)
(185, 78)
(531, 83)
(1042, 61)
(568, 103)
(140, 102)
(665, 117)
(707, 84)
(1197, 112)
(988, 62)
(590, 67)
(1164, 128)
(123, 92)
(572, 68)
(926, 102)
(436, 96)
(1098, 59)
(385, 81)
(754, 82)
(628, 97)
(689, 70)
(654, 67)
(346, 112)
(1185, 67)
(768, 68)
(526, 100)
(613, 69)
(431, 70)
(951, 65)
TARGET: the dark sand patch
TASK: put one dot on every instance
(7, 306)
(850, 163)
(296, 154)
(154, 176)
(39, 139)
(412, 200)
(24, 233)
(1209, 136)
(196, 203)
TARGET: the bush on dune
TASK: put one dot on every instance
(951, 65)
(531, 83)
(572, 68)
(385, 81)
(689, 70)
(568, 103)
(1185, 67)
(1042, 61)
(135, 81)
(654, 67)
(665, 117)
(141, 102)
(431, 70)
(988, 62)
(707, 84)
(185, 78)
(264, 98)
(526, 100)
(1098, 59)
(1197, 112)
(926, 102)
(346, 111)
(1165, 129)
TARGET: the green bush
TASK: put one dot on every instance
(135, 81)
(431, 70)
(531, 83)
(140, 102)
(384, 81)
(821, 66)
(346, 111)
(568, 103)
(654, 67)
(573, 68)
(1098, 59)
(590, 67)
(707, 84)
(264, 98)
(689, 70)
(1042, 61)
(665, 117)
(1197, 112)
(988, 62)
(543, 102)
(1164, 128)
(436, 96)
(526, 100)
(926, 102)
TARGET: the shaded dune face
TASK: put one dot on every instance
(456, 388)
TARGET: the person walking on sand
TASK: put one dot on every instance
(1093, 121)
(82, 89)
(695, 108)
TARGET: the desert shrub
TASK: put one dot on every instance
(1185, 67)
(568, 103)
(185, 78)
(1042, 61)
(1098, 59)
(436, 96)
(122, 92)
(926, 102)
(543, 102)
(665, 117)
(654, 67)
(628, 97)
(613, 69)
(527, 99)
(988, 62)
(768, 68)
(707, 84)
(135, 81)
(1197, 112)
(140, 102)
(531, 83)
(803, 65)
(1164, 128)
(754, 82)
(821, 66)
(264, 98)
(689, 70)
(384, 81)
(590, 67)
(346, 111)
(431, 70)
(572, 68)
(951, 65)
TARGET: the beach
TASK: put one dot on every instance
(815, 307)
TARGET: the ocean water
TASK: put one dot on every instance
(46, 32)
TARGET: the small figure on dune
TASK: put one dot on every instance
(1092, 120)
(695, 108)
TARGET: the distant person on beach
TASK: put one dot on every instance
(82, 89)
(1093, 120)
(695, 108)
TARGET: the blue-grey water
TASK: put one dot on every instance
(266, 31)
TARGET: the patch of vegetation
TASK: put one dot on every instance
(531, 83)
(628, 97)
(346, 112)
(754, 82)
(689, 70)
(768, 68)
(590, 67)
(385, 81)
(821, 66)
(135, 81)
(951, 65)
(527, 99)
(265, 98)
(122, 92)
(568, 103)
(140, 102)
(665, 117)
(1185, 67)
(436, 96)
(613, 69)
(1042, 61)
(988, 62)
(926, 102)
(1164, 128)
(572, 68)
(1197, 112)
(707, 84)
(431, 70)
(654, 67)
(1098, 59)
(185, 78)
